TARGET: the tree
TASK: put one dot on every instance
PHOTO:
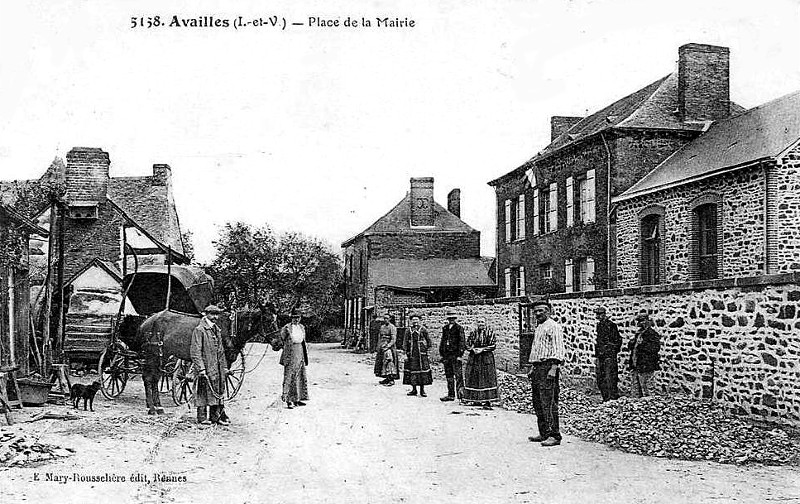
(308, 275)
(245, 265)
(252, 267)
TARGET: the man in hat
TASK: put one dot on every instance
(643, 360)
(451, 349)
(208, 356)
(606, 348)
(547, 355)
(294, 359)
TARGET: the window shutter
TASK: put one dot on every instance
(590, 193)
(553, 207)
(521, 218)
(589, 274)
(521, 286)
(508, 221)
(535, 211)
(508, 281)
(568, 275)
(570, 203)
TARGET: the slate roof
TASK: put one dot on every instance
(420, 273)
(151, 207)
(398, 220)
(760, 133)
(651, 107)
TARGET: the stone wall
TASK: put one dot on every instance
(736, 341)
(87, 239)
(788, 212)
(741, 230)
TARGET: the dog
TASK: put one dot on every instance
(85, 392)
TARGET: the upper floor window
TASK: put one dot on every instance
(550, 208)
(515, 218)
(706, 239)
(546, 271)
(586, 189)
(361, 266)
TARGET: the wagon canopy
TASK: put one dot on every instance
(191, 289)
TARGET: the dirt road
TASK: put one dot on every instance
(356, 442)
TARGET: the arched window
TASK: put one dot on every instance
(705, 252)
(651, 248)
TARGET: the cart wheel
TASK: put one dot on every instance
(183, 382)
(233, 382)
(165, 384)
(113, 373)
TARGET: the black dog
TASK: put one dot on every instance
(85, 392)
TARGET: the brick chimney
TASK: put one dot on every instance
(162, 175)
(703, 82)
(454, 202)
(422, 201)
(87, 174)
(560, 124)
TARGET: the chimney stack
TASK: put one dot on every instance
(86, 174)
(703, 82)
(454, 202)
(422, 201)
(561, 124)
(162, 175)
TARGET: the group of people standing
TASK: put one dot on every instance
(475, 384)
(548, 353)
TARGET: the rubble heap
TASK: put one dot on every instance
(16, 450)
(661, 426)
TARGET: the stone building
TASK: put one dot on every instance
(418, 251)
(555, 232)
(96, 221)
(726, 205)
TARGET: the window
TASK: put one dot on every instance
(569, 275)
(570, 202)
(82, 211)
(535, 210)
(551, 208)
(520, 281)
(586, 274)
(586, 188)
(515, 218)
(515, 281)
(707, 246)
(546, 271)
(651, 249)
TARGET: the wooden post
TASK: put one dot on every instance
(60, 278)
(169, 275)
(48, 298)
(11, 321)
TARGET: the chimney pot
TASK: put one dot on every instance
(422, 201)
(162, 175)
(454, 202)
(703, 82)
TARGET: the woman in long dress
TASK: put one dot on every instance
(386, 355)
(417, 370)
(480, 375)
(294, 359)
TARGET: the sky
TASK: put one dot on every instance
(319, 129)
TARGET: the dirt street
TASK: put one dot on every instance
(355, 442)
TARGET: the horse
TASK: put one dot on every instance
(169, 333)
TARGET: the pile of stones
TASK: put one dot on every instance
(662, 426)
(16, 450)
